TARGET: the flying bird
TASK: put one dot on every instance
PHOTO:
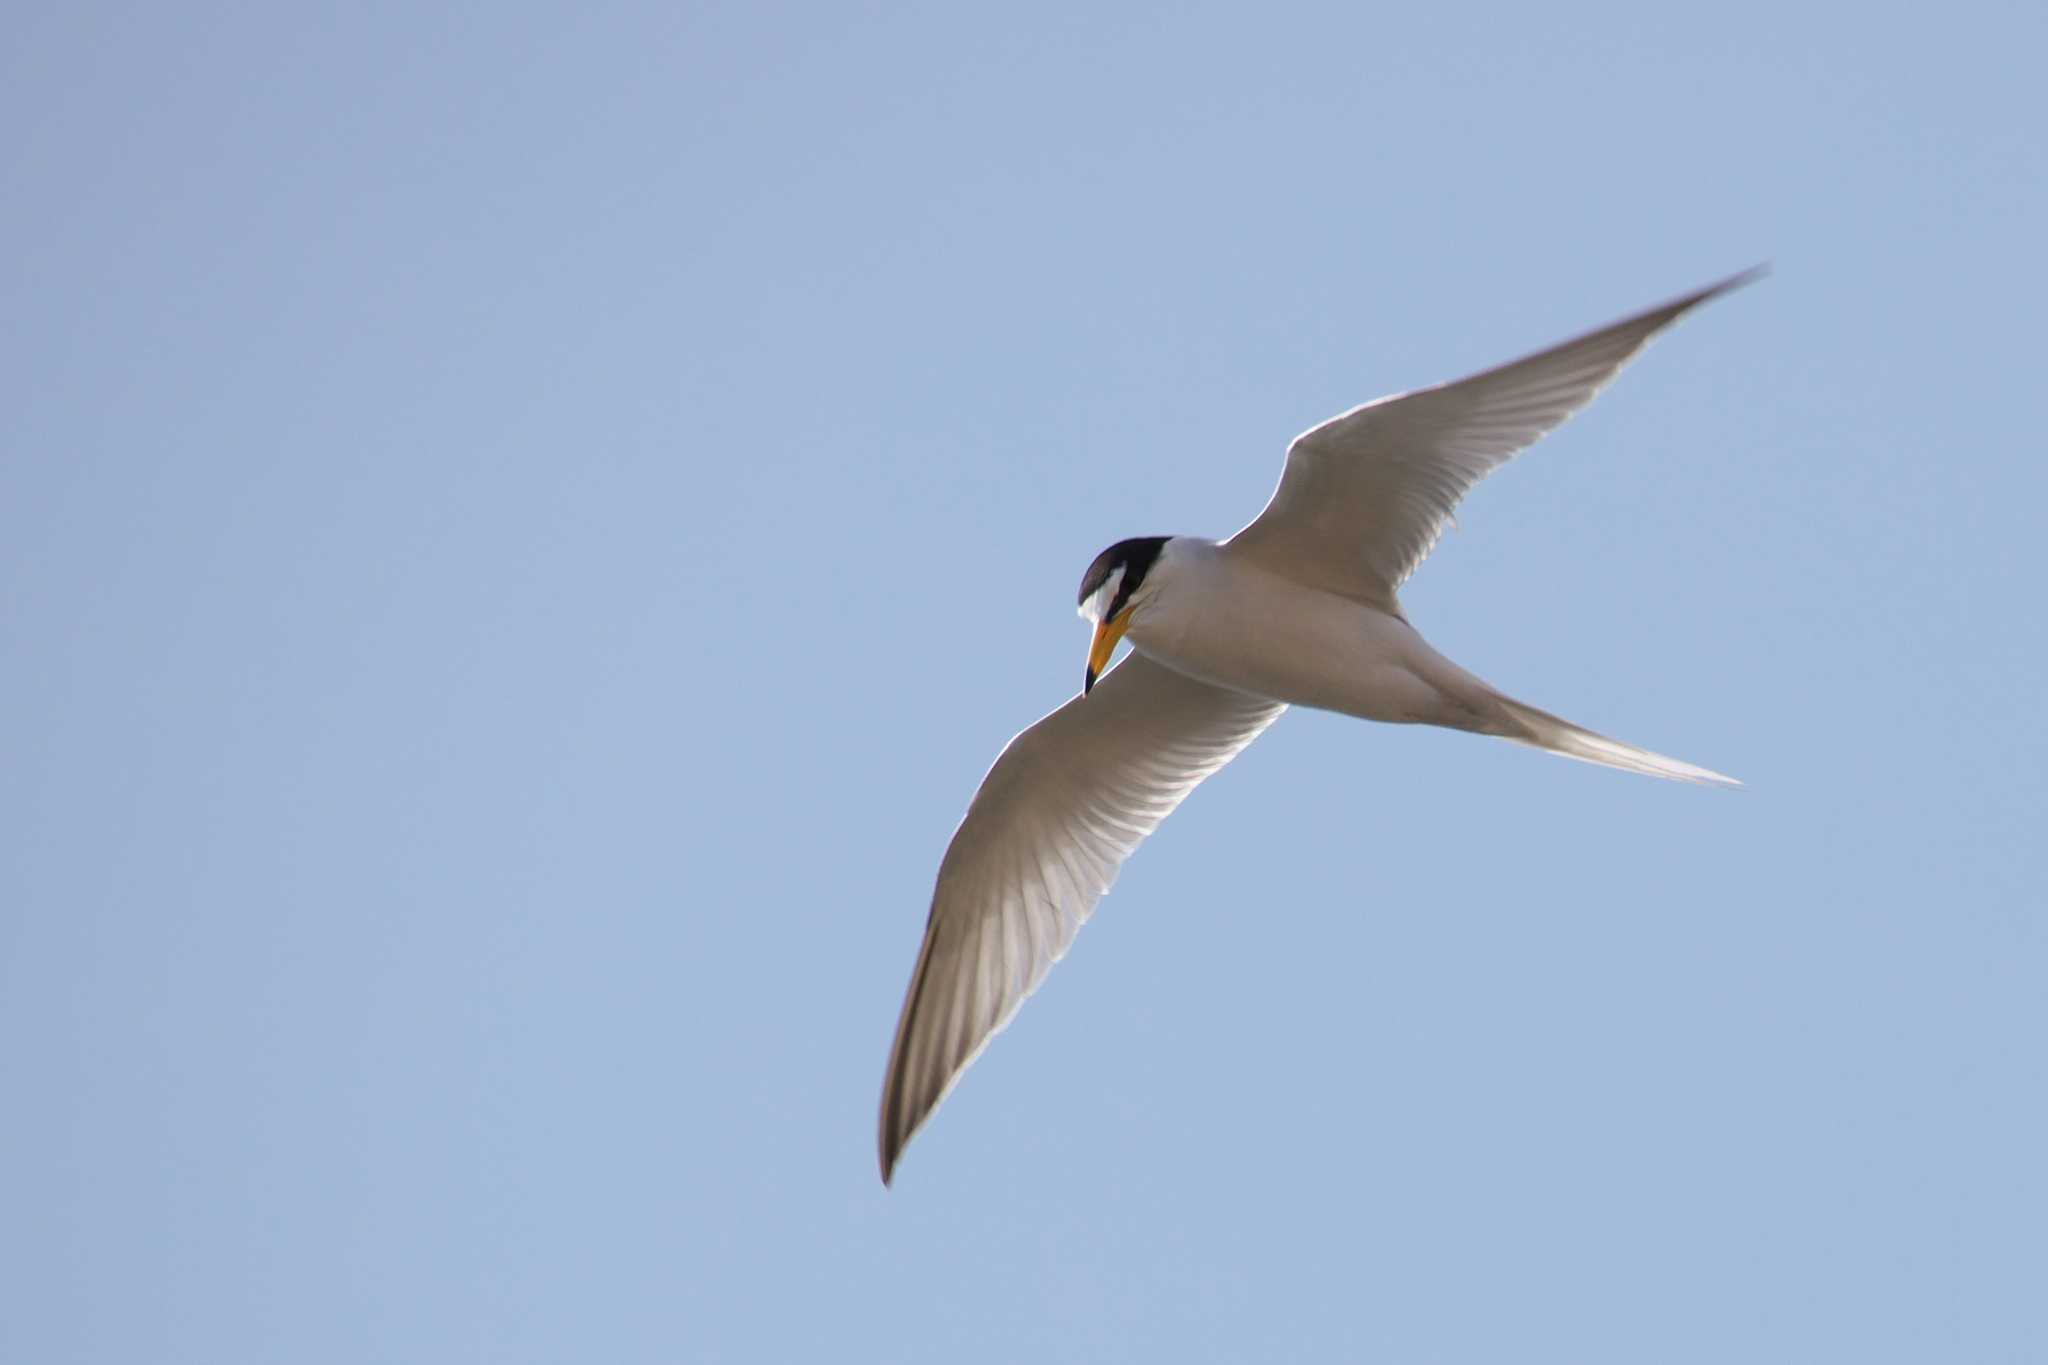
(1297, 609)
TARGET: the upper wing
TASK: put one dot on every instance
(1364, 496)
(1064, 805)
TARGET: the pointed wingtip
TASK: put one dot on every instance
(888, 1144)
(1738, 280)
(1686, 302)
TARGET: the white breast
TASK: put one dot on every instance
(1217, 618)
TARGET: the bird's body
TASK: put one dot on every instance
(1222, 617)
(1299, 608)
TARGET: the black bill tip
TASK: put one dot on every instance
(1088, 683)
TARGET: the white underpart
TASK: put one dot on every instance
(1232, 622)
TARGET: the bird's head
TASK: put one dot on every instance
(1110, 592)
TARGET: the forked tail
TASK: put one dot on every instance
(1541, 730)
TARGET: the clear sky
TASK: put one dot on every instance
(522, 528)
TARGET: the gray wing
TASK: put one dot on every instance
(1365, 495)
(1066, 802)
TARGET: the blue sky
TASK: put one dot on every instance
(523, 527)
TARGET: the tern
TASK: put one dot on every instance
(1297, 609)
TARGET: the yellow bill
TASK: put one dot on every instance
(1107, 633)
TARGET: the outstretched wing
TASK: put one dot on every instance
(1066, 802)
(1364, 496)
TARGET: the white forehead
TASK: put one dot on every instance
(1095, 605)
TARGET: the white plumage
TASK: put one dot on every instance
(1299, 608)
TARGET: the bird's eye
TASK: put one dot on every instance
(1096, 604)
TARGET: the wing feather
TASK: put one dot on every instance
(1364, 496)
(1066, 802)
